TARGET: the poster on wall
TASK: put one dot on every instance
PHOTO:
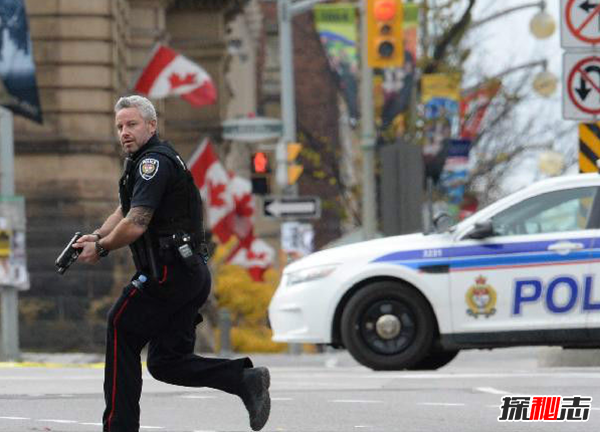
(18, 85)
(13, 260)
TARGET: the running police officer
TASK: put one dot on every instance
(160, 219)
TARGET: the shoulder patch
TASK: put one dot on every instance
(148, 168)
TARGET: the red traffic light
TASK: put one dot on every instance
(260, 163)
(384, 10)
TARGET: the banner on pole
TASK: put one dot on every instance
(13, 261)
(18, 86)
(336, 25)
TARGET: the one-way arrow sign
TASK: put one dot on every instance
(292, 207)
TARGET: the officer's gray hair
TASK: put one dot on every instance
(143, 105)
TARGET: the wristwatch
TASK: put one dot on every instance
(100, 250)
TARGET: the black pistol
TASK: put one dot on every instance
(69, 255)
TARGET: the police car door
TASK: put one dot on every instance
(531, 273)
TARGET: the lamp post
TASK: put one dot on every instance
(542, 24)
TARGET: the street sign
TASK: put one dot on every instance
(589, 147)
(292, 207)
(297, 238)
(581, 86)
(579, 23)
(252, 129)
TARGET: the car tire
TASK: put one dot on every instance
(388, 326)
(435, 360)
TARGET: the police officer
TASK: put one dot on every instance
(160, 219)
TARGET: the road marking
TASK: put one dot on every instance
(15, 365)
(91, 424)
(151, 427)
(363, 426)
(491, 390)
(440, 404)
(198, 397)
(419, 376)
(354, 401)
(15, 418)
(282, 399)
(57, 421)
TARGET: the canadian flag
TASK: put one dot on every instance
(169, 73)
(244, 209)
(213, 181)
(253, 254)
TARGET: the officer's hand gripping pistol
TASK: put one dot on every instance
(69, 255)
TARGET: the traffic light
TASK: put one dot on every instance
(294, 170)
(261, 168)
(384, 33)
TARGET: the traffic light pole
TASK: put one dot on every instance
(367, 124)
(286, 11)
(9, 350)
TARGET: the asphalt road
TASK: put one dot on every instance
(328, 392)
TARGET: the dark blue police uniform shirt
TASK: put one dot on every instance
(152, 176)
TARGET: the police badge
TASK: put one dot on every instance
(481, 299)
(148, 168)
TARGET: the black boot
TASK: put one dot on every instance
(255, 395)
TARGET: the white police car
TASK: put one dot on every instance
(522, 271)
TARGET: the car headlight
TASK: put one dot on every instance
(310, 274)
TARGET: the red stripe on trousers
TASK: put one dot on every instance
(114, 390)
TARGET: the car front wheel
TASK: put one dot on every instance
(388, 326)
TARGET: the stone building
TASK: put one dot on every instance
(87, 54)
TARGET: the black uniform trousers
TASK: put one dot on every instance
(162, 314)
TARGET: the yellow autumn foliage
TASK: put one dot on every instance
(247, 302)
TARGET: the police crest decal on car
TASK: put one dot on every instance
(148, 168)
(481, 299)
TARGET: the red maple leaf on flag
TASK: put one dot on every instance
(251, 255)
(177, 81)
(216, 192)
(243, 207)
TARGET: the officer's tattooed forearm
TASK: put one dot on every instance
(140, 216)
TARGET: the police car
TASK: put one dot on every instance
(522, 271)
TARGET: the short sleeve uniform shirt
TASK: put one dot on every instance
(152, 176)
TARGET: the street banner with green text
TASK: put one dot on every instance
(336, 25)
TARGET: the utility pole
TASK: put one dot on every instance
(9, 350)
(367, 124)
(286, 10)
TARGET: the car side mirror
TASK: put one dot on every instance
(442, 222)
(481, 230)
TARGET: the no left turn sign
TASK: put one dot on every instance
(580, 23)
(581, 88)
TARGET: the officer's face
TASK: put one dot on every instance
(132, 129)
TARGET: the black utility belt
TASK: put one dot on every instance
(176, 240)
(184, 246)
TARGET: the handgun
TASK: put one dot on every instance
(69, 255)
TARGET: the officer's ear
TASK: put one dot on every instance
(152, 124)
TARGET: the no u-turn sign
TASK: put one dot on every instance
(581, 86)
